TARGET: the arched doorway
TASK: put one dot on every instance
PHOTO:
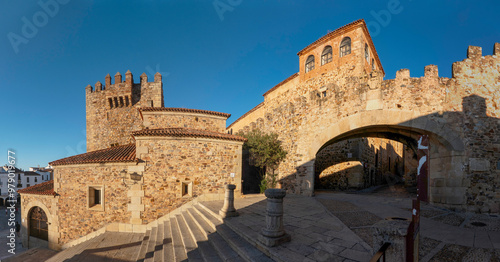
(444, 155)
(38, 226)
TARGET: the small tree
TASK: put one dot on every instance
(266, 153)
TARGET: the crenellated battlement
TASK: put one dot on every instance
(475, 59)
(112, 108)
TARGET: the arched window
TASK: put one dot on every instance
(345, 46)
(367, 54)
(326, 56)
(310, 63)
(38, 224)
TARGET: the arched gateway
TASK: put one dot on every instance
(347, 98)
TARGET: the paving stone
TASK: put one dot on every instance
(320, 255)
(355, 255)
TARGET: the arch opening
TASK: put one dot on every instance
(38, 224)
(394, 164)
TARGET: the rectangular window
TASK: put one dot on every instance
(27, 185)
(28, 179)
(116, 101)
(126, 101)
(110, 103)
(96, 198)
(186, 189)
(36, 180)
(121, 101)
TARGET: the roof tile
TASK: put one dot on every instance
(184, 110)
(45, 188)
(187, 132)
(124, 153)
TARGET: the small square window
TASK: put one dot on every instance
(186, 189)
(324, 93)
(96, 198)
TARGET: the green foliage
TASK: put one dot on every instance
(266, 153)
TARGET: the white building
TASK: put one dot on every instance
(22, 179)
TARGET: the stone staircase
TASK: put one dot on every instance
(194, 234)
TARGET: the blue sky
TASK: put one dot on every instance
(220, 59)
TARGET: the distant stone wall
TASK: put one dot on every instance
(207, 122)
(203, 165)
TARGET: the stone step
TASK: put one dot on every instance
(178, 245)
(144, 246)
(75, 250)
(151, 245)
(168, 248)
(189, 244)
(225, 252)
(207, 251)
(242, 247)
(158, 249)
(207, 217)
(129, 251)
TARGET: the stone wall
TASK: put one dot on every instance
(49, 205)
(112, 110)
(382, 161)
(204, 165)
(459, 115)
(188, 120)
(72, 183)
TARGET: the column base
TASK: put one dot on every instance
(225, 214)
(274, 241)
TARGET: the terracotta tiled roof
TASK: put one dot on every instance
(246, 114)
(281, 83)
(124, 153)
(184, 110)
(187, 132)
(45, 188)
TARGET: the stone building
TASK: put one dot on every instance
(143, 161)
(339, 94)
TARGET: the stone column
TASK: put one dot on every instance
(274, 234)
(228, 209)
(393, 231)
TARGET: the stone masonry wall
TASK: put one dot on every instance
(204, 164)
(112, 110)
(72, 183)
(188, 120)
(464, 145)
(48, 204)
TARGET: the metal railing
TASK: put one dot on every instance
(380, 253)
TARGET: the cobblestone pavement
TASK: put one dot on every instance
(446, 235)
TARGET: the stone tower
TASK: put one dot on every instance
(112, 110)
